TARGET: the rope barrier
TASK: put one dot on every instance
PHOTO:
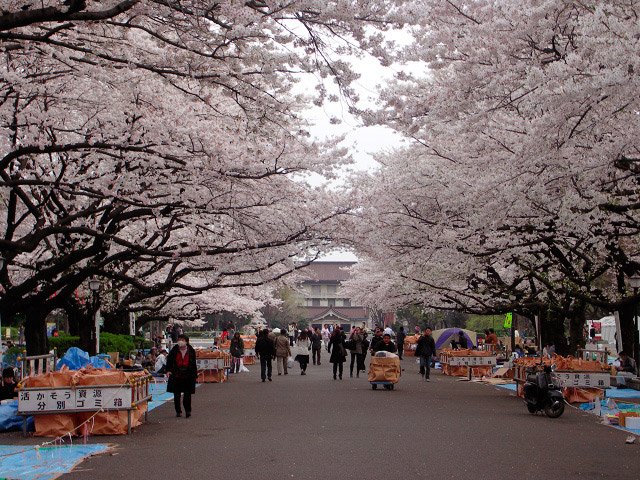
(127, 384)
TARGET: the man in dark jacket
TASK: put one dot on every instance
(316, 346)
(400, 341)
(266, 350)
(377, 337)
(627, 369)
(182, 370)
(425, 349)
(386, 345)
(174, 334)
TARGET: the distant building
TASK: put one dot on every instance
(323, 301)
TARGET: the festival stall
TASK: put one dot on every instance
(460, 362)
(96, 401)
(249, 349)
(213, 365)
(410, 344)
(249, 342)
(581, 380)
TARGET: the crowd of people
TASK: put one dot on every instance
(309, 344)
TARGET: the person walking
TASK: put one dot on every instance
(174, 334)
(426, 349)
(303, 345)
(237, 352)
(265, 349)
(291, 331)
(283, 352)
(356, 348)
(182, 372)
(339, 354)
(316, 346)
(400, 337)
(325, 336)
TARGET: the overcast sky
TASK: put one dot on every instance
(363, 142)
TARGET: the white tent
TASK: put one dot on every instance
(608, 329)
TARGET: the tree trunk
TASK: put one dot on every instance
(75, 316)
(81, 324)
(552, 329)
(627, 327)
(86, 334)
(576, 328)
(35, 332)
(117, 322)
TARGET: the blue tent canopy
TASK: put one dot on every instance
(443, 337)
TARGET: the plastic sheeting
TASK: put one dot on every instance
(76, 358)
(160, 395)
(9, 421)
(43, 463)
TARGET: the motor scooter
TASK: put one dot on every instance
(541, 392)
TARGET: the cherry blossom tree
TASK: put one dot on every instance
(522, 178)
(158, 145)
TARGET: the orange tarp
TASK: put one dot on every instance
(462, 371)
(581, 395)
(563, 364)
(210, 354)
(467, 353)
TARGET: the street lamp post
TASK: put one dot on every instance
(634, 282)
(94, 286)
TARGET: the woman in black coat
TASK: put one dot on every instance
(182, 371)
(339, 353)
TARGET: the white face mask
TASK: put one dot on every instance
(182, 344)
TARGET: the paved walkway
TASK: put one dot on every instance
(314, 427)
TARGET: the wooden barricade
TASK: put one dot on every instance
(460, 363)
(582, 380)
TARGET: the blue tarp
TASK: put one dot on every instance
(30, 463)
(509, 386)
(622, 393)
(160, 395)
(76, 358)
(9, 421)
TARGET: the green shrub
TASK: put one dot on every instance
(10, 357)
(17, 351)
(195, 334)
(109, 342)
(63, 343)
